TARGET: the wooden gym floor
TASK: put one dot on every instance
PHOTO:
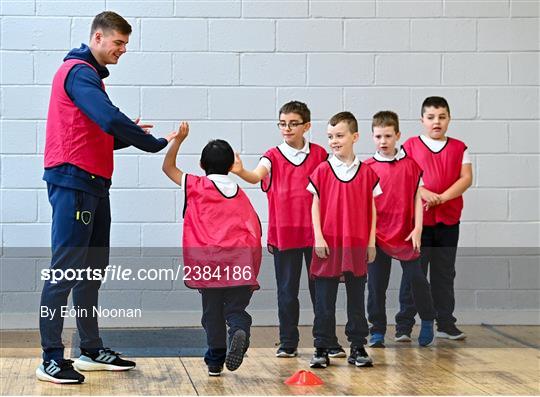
(500, 360)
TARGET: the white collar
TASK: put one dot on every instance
(427, 139)
(290, 151)
(225, 179)
(335, 162)
(400, 153)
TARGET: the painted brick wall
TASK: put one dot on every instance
(227, 66)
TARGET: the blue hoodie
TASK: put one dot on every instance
(84, 88)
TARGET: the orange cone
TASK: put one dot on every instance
(304, 378)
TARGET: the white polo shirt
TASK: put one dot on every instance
(345, 173)
(437, 145)
(223, 182)
(295, 156)
(399, 154)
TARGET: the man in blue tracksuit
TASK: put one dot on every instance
(83, 129)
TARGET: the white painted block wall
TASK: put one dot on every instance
(227, 66)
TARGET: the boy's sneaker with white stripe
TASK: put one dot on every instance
(320, 358)
(215, 370)
(58, 371)
(284, 352)
(336, 352)
(403, 336)
(359, 357)
(104, 360)
(450, 332)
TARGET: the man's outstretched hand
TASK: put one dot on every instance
(146, 127)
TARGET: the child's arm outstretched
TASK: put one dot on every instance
(254, 176)
(169, 162)
(416, 235)
(321, 247)
(371, 250)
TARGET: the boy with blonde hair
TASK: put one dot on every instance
(344, 220)
(399, 229)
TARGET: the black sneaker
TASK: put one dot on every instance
(402, 336)
(237, 348)
(215, 370)
(58, 371)
(359, 357)
(337, 352)
(285, 352)
(104, 360)
(450, 332)
(320, 358)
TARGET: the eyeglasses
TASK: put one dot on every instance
(293, 124)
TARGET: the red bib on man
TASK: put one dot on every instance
(72, 138)
(399, 181)
(441, 170)
(289, 203)
(221, 239)
(346, 215)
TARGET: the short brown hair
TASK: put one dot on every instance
(385, 118)
(346, 117)
(109, 20)
(436, 102)
(297, 107)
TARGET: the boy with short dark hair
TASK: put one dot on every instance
(447, 175)
(283, 172)
(221, 249)
(399, 229)
(344, 218)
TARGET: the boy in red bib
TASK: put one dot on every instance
(447, 175)
(221, 249)
(283, 172)
(344, 218)
(399, 229)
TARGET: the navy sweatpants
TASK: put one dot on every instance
(79, 239)
(378, 278)
(222, 307)
(288, 266)
(438, 256)
(324, 324)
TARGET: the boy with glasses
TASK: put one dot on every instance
(283, 172)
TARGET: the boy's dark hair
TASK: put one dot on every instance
(385, 118)
(109, 20)
(436, 102)
(217, 157)
(298, 108)
(346, 117)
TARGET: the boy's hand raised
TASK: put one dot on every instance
(181, 134)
